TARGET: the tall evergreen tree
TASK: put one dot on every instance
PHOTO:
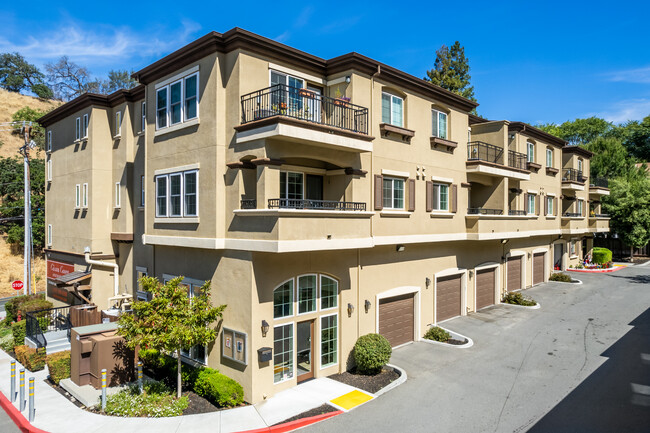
(451, 71)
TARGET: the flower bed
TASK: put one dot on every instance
(597, 270)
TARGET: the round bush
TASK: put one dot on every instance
(219, 389)
(601, 255)
(371, 353)
(436, 333)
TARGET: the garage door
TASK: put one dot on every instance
(538, 268)
(396, 319)
(447, 297)
(514, 273)
(485, 288)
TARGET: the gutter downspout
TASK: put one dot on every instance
(115, 266)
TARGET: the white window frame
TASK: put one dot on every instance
(436, 197)
(84, 126)
(293, 352)
(77, 129)
(142, 192)
(49, 235)
(293, 298)
(84, 196)
(549, 205)
(530, 151)
(392, 98)
(185, 193)
(49, 169)
(49, 141)
(118, 190)
(77, 196)
(320, 292)
(320, 340)
(530, 206)
(549, 157)
(392, 203)
(580, 165)
(166, 87)
(118, 124)
(286, 174)
(297, 297)
(183, 213)
(143, 116)
(436, 131)
(580, 204)
(158, 213)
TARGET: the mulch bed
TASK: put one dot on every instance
(456, 342)
(367, 383)
(320, 410)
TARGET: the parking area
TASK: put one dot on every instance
(580, 363)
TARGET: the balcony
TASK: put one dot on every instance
(488, 159)
(512, 212)
(283, 203)
(598, 186)
(483, 211)
(573, 179)
(573, 225)
(599, 223)
(303, 116)
(571, 215)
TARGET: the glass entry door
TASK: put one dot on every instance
(305, 349)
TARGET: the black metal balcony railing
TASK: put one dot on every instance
(599, 181)
(287, 203)
(483, 211)
(249, 203)
(517, 160)
(303, 104)
(42, 321)
(481, 151)
(517, 212)
(601, 215)
(572, 214)
(572, 175)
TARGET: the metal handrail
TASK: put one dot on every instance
(481, 151)
(483, 211)
(601, 215)
(572, 214)
(40, 322)
(248, 203)
(286, 203)
(572, 175)
(516, 212)
(599, 181)
(304, 104)
(33, 331)
(517, 160)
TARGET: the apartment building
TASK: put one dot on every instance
(324, 199)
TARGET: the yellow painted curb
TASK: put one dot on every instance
(352, 399)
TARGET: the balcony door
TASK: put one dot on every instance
(305, 350)
(314, 187)
(287, 98)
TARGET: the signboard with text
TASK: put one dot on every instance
(58, 269)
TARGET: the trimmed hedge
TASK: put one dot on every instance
(14, 305)
(371, 353)
(58, 365)
(31, 359)
(516, 298)
(19, 331)
(564, 278)
(436, 333)
(601, 255)
(218, 388)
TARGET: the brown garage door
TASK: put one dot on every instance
(538, 268)
(396, 319)
(447, 297)
(514, 273)
(485, 288)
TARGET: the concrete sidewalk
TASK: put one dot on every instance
(54, 413)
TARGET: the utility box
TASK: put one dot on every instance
(95, 347)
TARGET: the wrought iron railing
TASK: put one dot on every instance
(516, 212)
(517, 160)
(40, 322)
(599, 181)
(572, 175)
(249, 203)
(483, 211)
(481, 151)
(304, 104)
(284, 203)
(601, 215)
(572, 214)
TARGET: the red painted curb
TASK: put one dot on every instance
(292, 425)
(597, 271)
(17, 417)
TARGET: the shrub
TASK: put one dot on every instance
(218, 388)
(157, 400)
(165, 367)
(516, 298)
(35, 305)
(58, 365)
(13, 305)
(371, 353)
(31, 359)
(559, 276)
(436, 333)
(601, 255)
(19, 331)
(6, 339)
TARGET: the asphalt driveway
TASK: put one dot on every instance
(579, 364)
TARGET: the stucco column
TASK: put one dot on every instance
(268, 180)
(506, 191)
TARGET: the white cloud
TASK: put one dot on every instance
(630, 109)
(639, 75)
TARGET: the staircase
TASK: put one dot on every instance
(57, 341)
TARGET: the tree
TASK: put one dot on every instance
(28, 114)
(610, 158)
(16, 74)
(171, 321)
(69, 80)
(120, 79)
(451, 71)
(580, 131)
(629, 207)
(636, 138)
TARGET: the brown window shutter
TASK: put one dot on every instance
(537, 204)
(526, 202)
(411, 192)
(454, 198)
(584, 207)
(545, 206)
(379, 188)
(429, 196)
(555, 202)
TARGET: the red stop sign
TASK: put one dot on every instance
(17, 285)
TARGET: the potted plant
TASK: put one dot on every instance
(340, 100)
(306, 93)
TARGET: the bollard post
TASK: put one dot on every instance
(22, 390)
(13, 381)
(103, 389)
(31, 399)
(140, 376)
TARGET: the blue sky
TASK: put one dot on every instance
(530, 61)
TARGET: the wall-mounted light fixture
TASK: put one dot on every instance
(347, 79)
(265, 328)
(427, 282)
(367, 305)
(399, 248)
(559, 236)
(471, 273)
(504, 241)
(350, 310)
(529, 255)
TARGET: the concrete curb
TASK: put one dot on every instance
(293, 425)
(17, 417)
(577, 282)
(467, 345)
(598, 271)
(534, 307)
(395, 384)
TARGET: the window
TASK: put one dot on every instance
(143, 116)
(291, 185)
(118, 123)
(49, 141)
(328, 341)
(573, 247)
(580, 165)
(580, 206)
(329, 293)
(283, 300)
(439, 122)
(84, 196)
(549, 157)
(142, 191)
(176, 102)
(531, 204)
(77, 196)
(531, 152)
(85, 126)
(282, 353)
(306, 294)
(77, 128)
(440, 197)
(49, 234)
(393, 193)
(49, 169)
(177, 194)
(117, 195)
(549, 205)
(392, 109)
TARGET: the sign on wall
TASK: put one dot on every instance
(234, 345)
(58, 269)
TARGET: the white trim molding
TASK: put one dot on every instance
(396, 173)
